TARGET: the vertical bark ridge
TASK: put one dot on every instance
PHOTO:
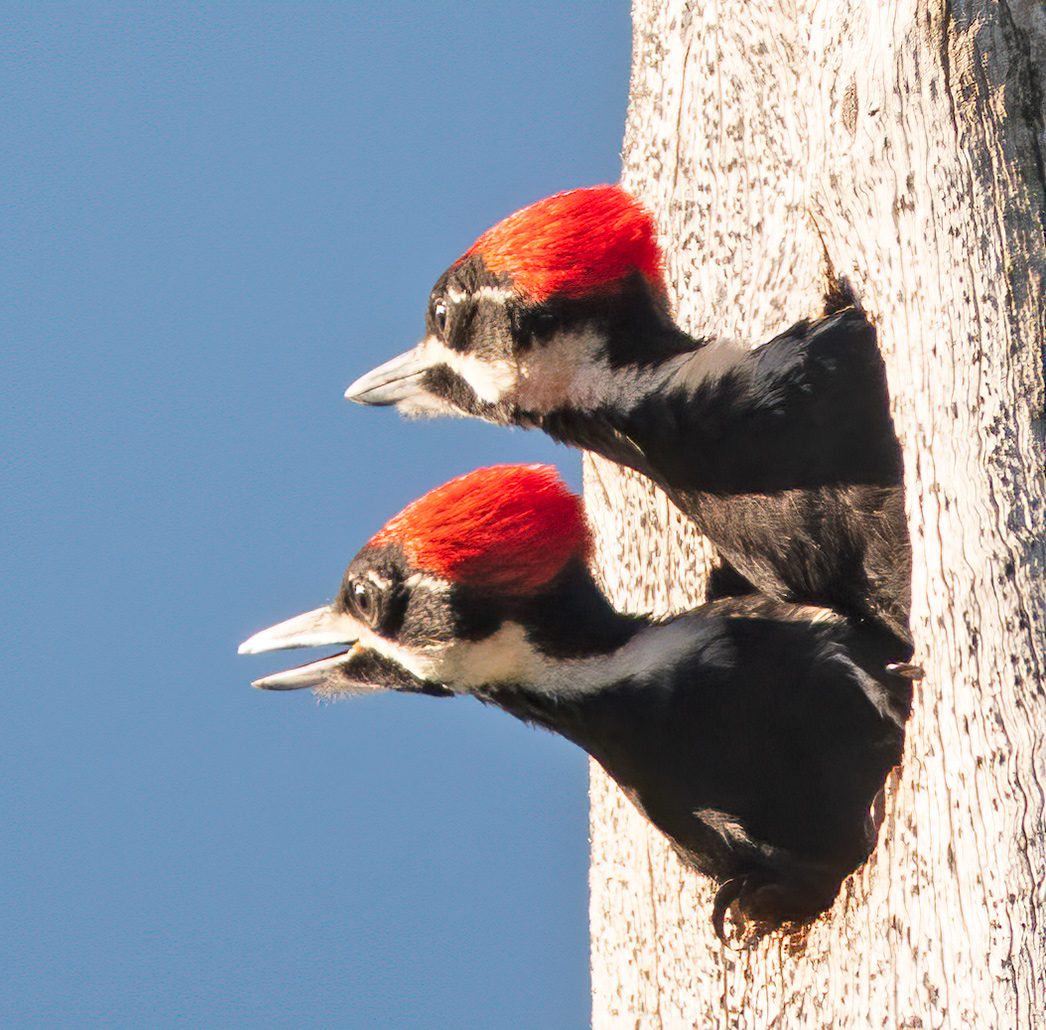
(900, 142)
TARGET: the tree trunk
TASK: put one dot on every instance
(898, 144)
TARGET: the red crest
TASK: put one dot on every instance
(509, 527)
(575, 243)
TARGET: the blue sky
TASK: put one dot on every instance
(215, 217)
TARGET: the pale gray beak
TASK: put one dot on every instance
(395, 381)
(319, 628)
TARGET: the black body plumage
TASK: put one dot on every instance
(757, 731)
(784, 455)
(754, 733)
(759, 749)
(786, 459)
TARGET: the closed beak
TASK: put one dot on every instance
(395, 381)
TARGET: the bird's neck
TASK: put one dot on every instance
(577, 650)
(807, 409)
(652, 415)
(589, 699)
(572, 618)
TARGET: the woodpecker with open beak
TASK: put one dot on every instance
(757, 735)
(785, 456)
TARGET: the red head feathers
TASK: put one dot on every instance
(575, 243)
(509, 527)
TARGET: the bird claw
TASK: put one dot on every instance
(724, 900)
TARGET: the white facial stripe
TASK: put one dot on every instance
(572, 370)
(506, 656)
(549, 374)
(490, 380)
(713, 360)
(433, 584)
(495, 294)
(423, 665)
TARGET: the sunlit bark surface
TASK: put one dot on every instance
(898, 144)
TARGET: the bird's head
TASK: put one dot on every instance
(450, 595)
(527, 320)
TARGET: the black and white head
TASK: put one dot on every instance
(451, 594)
(538, 315)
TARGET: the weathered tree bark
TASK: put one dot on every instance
(897, 143)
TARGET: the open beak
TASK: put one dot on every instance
(397, 380)
(320, 628)
(359, 670)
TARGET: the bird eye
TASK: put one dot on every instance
(365, 601)
(439, 317)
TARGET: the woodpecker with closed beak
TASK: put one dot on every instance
(785, 456)
(757, 735)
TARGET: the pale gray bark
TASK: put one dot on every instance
(896, 143)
